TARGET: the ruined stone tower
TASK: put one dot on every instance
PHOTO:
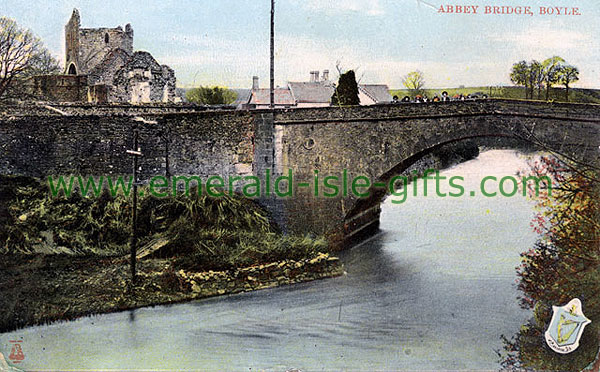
(104, 57)
(85, 48)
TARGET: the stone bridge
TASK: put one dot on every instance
(378, 142)
(382, 141)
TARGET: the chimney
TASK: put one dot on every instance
(312, 76)
(316, 76)
(325, 75)
(254, 82)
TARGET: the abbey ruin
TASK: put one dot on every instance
(102, 67)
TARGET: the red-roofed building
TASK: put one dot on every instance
(314, 93)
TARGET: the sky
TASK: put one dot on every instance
(226, 42)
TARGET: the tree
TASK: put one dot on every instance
(211, 96)
(564, 264)
(520, 75)
(552, 67)
(22, 54)
(568, 75)
(536, 72)
(43, 63)
(346, 93)
(414, 81)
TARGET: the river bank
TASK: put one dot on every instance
(67, 256)
(39, 289)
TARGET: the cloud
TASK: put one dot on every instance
(370, 7)
(546, 38)
(219, 61)
(228, 59)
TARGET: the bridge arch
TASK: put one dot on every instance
(382, 141)
(362, 218)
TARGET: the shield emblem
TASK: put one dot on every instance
(566, 327)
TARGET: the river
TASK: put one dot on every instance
(434, 290)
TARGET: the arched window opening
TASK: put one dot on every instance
(106, 38)
(72, 70)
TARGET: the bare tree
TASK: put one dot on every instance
(43, 63)
(338, 67)
(22, 54)
(414, 81)
(341, 70)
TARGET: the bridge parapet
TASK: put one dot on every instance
(438, 109)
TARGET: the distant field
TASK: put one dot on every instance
(556, 94)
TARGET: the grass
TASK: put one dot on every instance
(41, 288)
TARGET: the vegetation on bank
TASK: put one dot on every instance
(68, 257)
(41, 288)
(199, 232)
(564, 264)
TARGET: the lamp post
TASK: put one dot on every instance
(136, 152)
(272, 102)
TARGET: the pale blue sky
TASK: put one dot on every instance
(225, 42)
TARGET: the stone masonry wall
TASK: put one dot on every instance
(93, 46)
(432, 109)
(210, 143)
(197, 144)
(92, 109)
(57, 88)
(38, 146)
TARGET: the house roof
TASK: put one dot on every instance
(242, 96)
(283, 96)
(377, 92)
(315, 92)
